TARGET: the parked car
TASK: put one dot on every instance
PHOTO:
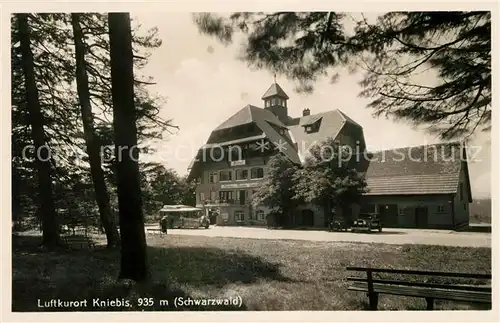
(367, 222)
(338, 224)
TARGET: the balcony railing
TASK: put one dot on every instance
(220, 201)
(226, 202)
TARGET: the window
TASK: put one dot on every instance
(273, 102)
(401, 210)
(239, 216)
(213, 195)
(242, 196)
(202, 196)
(260, 215)
(235, 153)
(313, 127)
(226, 175)
(257, 172)
(440, 208)
(461, 191)
(226, 195)
(212, 177)
(216, 153)
(241, 174)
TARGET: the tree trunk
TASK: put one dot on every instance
(133, 239)
(43, 158)
(93, 147)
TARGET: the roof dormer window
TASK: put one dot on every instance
(313, 127)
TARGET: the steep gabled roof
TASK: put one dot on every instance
(413, 184)
(331, 124)
(309, 120)
(239, 118)
(275, 90)
(267, 122)
(248, 115)
(347, 118)
(430, 169)
(284, 141)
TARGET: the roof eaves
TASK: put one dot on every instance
(346, 118)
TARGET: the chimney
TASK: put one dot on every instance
(306, 112)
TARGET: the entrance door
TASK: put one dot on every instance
(307, 218)
(242, 197)
(388, 215)
(421, 214)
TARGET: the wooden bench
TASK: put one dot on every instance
(78, 242)
(422, 289)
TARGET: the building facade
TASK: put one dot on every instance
(413, 192)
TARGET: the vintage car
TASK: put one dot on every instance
(367, 222)
(182, 216)
(338, 224)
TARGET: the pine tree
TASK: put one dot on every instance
(93, 147)
(36, 121)
(133, 239)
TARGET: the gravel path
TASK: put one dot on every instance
(389, 236)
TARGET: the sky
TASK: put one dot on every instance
(205, 84)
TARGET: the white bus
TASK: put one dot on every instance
(182, 216)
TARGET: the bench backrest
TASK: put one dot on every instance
(420, 272)
(369, 280)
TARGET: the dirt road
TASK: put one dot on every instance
(389, 236)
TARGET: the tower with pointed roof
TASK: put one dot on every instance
(275, 100)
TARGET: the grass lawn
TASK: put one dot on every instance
(266, 274)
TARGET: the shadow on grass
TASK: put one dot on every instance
(199, 266)
(39, 276)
